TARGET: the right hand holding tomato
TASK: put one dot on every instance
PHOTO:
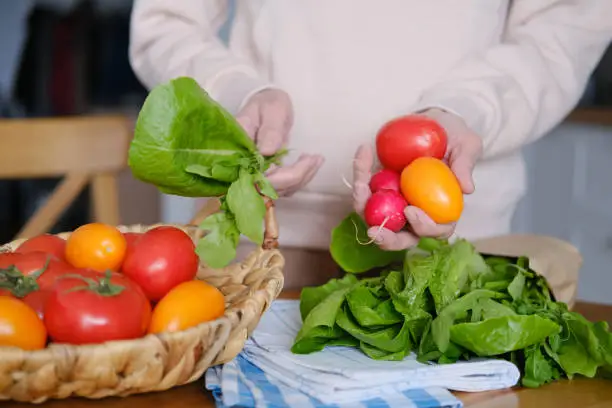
(428, 161)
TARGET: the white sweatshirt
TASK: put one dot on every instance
(511, 69)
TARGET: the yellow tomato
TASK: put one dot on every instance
(186, 305)
(96, 246)
(429, 184)
(20, 326)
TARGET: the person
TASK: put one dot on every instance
(322, 77)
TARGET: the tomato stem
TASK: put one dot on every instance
(17, 283)
(36, 274)
(102, 286)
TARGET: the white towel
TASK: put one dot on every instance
(342, 374)
(241, 384)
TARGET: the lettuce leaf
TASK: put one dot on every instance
(186, 144)
(180, 126)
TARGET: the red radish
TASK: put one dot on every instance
(385, 208)
(402, 140)
(385, 179)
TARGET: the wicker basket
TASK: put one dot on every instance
(154, 362)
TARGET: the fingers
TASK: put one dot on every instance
(392, 241)
(362, 172)
(423, 226)
(462, 160)
(362, 164)
(420, 226)
(361, 195)
(273, 133)
(267, 119)
(276, 119)
(464, 147)
(248, 118)
(287, 180)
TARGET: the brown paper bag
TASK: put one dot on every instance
(557, 260)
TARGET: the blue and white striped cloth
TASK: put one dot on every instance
(266, 374)
(240, 383)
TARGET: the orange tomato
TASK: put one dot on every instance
(20, 326)
(429, 184)
(96, 246)
(186, 305)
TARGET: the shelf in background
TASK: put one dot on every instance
(592, 116)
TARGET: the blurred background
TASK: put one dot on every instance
(69, 57)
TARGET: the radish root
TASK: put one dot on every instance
(346, 182)
(372, 240)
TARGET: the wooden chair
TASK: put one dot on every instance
(86, 149)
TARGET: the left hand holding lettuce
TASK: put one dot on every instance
(267, 117)
(188, 145)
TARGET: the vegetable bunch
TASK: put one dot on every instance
(186, 144)
(411, 150)
(447, 302)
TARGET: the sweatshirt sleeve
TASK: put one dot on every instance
(176, 38)
(516, 91)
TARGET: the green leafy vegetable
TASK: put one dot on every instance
(320, 324)
(350, 252)
(219, 245)
(180, 125)
(312, 296)
(248, 207)
(448, 302)
(264, 186)
(499, 335)
(186, 144)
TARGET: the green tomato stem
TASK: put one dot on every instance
(102, 286)
(17, 283)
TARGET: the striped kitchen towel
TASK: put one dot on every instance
(240, 383)
(343, 374)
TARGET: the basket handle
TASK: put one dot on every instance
(270, 240)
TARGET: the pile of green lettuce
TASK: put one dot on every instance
(186, 144)
(446, 302)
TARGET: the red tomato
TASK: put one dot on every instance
(47, 243)
(44, 268)
(402, 140)
(37, 301)
(130, 239)
(160, 260)
(96, 308)
(31, 281)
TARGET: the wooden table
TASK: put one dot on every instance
(580, 393)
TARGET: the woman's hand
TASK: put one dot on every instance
(267, 117)
(463, 151)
